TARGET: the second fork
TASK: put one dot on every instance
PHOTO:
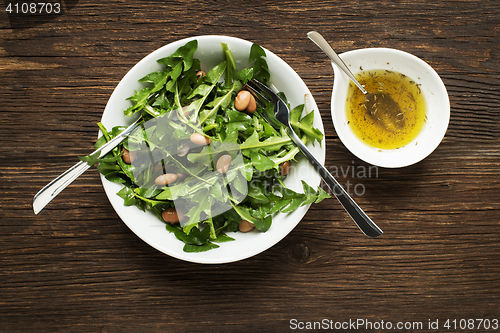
(280, 117)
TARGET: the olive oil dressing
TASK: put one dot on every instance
(391, 115)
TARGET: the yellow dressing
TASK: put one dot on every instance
(375, 132)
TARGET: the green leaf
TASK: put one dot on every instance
(174, 75)
(220, 102)
(240, 184)
(321, 194)
(199, 248)
(257, 194)
(237, 122)
(244, 75)
(91, 160)
(184, 53)
(179, 62)
(155, 78)
(244, 213)
(293, 204)
(256, 53)
(150, 192)
(101, 141)
(201, 90)
(260, 68)
(197, 241)
(222, 238)
(263, 224)
(118, 177)
(252, 144)
(232, 220)
(295, 115)
(309, 195)
(291, 200)
(305, 126)
(199, 236)
(289, 156)
(106, 168)
(177, 231)
(128, 196)
(231, 67)
(203, 205)
(247, 171)
(204, 90)
(140, 99)
(214, 75)
(261, 162)
(162, 101)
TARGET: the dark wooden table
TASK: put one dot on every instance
(76, 267)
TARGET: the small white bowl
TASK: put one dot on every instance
(436, 97)
(147, 225)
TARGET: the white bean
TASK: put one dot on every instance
(245, 226)
(166, 179)
(199, 139)
(223, 163)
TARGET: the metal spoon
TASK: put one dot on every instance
(380, 106)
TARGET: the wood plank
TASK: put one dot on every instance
(76, 266)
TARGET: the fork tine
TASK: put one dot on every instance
(270, 103)
(256, 94)
(262, 97)
(264, 90)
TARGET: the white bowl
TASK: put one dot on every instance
(146, 225)
(431, 85)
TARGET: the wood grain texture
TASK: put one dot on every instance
(76, 267)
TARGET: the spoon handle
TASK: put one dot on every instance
(363, 221)
(325, 47)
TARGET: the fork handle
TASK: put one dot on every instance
(52, 189)
(362, 220)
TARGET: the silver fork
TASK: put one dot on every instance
(52, 189)
(281, 116)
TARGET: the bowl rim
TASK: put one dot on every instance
(389, 158)
(260, 241)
